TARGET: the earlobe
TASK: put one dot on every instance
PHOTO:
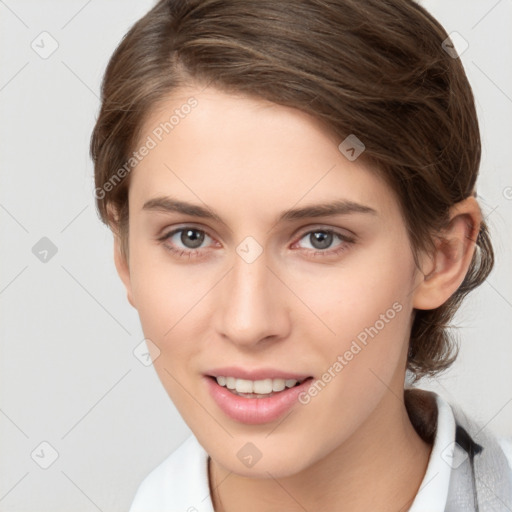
(123, 269)
(446, 269)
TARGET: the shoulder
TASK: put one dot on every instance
(431, 415)
(506, 445)
(476, 463)
(479, 434)
(468, 463)
(180, 482)
(484, 437)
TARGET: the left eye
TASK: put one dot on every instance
(322, 239)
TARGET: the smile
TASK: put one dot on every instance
(258, 401)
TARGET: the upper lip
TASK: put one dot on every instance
(255, 373)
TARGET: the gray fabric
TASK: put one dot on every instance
(489, 487)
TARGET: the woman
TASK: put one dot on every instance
(291, 186)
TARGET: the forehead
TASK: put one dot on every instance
(247, 155)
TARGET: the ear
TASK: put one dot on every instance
(123, 269)
(445, 269)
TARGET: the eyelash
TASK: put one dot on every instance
(192, 253)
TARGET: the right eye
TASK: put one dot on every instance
(185, 241)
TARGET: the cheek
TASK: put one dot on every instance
(169, 305)
(175, 303)
(368, 311)
(165, 294)
(363, 322)
(367, 288)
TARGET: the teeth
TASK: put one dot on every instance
(278, 385)
(261, 387)
(246, 386)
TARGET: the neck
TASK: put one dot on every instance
(380, 467)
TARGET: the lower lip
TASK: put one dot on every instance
(255, 411)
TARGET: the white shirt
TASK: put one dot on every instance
(180, 482)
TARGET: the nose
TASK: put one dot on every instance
(252, 306)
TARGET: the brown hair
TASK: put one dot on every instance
(365, 67)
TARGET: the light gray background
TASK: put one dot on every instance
(68, 373)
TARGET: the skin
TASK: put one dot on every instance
(249, 160)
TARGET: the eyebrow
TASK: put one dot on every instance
(339, 207)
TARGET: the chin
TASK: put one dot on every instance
(268, 459)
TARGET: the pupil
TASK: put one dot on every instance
(320, 239)
(195, 236)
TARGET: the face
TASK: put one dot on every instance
(237, 270)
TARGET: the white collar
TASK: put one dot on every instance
(433, 492)
(180, 482)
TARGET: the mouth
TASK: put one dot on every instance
(255, 402)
